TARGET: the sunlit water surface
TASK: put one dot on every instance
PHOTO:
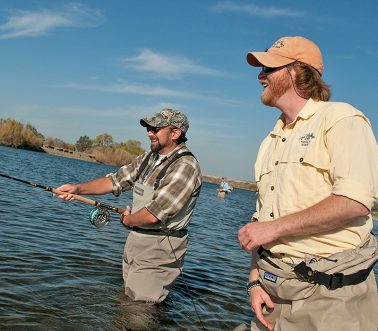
(58, 272)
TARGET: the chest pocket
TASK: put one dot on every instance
(308, 150)
(305, 148)
(296, 167)
(305, 163)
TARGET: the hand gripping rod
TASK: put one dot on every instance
(95, 203)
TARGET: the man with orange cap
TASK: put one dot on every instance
(317, 176)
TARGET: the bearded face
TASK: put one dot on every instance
(155, 145)
(161, 139)
(275, 86)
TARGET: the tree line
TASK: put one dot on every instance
(17, 135)
(103, 148)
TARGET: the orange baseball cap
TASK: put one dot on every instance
(288, 50)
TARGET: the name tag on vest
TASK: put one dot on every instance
(270, 277)
(138, 191)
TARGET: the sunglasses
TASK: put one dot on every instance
(153, 129)
(268, 70)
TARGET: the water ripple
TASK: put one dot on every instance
(58, 272)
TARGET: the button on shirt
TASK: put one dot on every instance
(328, 149)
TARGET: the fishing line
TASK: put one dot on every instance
(99, 216)
(186, 284)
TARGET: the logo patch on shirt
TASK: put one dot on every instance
(271, 277)
(305, 139)
(138, 191)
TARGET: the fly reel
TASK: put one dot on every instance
(99, 217)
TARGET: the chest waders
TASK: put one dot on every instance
(333, 293)
(154, 254)
(142, 194)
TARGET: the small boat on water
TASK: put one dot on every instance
(222, 193)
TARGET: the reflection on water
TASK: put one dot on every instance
(58, 272)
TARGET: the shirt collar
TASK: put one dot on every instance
(308, 110)
(178, 147)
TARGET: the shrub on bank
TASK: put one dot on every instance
(134, 147)
(17, 135)
(113, 156)
(102, 148)
(57, 143)
(105, 150)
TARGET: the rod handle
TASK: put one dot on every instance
(89, 201)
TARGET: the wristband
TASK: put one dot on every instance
(252, 284)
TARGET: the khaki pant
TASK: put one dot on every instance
(350, 308)
(150, 267)
(299, 305)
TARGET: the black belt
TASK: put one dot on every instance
(161, 232)
(330, 281)
(333, 281)
(263, 255)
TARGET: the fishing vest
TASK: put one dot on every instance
(142, 194)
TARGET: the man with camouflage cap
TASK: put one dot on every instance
(166, 183)
(168, 117)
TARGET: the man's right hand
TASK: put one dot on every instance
(102, 185)
(70, 189)
(258, 299)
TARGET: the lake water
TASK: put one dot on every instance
(58, 272)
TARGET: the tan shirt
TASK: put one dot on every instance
(328, 149)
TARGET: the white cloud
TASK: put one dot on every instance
(148, 90)
(255, 10)
(166, 65)
(38, 23)
(125, 88)
(139, 89)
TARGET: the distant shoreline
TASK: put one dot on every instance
(88, 157)
(250, 186)
(68, 153)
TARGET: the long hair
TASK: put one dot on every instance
(309, 83)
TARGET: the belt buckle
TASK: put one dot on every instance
(336, 281)
(304, 272)
(309, 276)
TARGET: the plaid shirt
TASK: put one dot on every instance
(182, 181)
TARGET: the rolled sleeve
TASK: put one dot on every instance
(354, 160)
(355, 191)
(124, 179)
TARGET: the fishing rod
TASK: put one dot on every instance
(99, 216)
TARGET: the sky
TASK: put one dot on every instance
(91, 67)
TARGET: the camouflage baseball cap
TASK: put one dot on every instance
(167, 117)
